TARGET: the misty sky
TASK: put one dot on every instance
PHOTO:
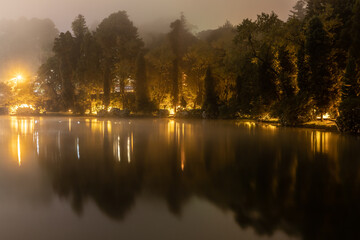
(204, 14)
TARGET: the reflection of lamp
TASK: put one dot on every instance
(19, 150)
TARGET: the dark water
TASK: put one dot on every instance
(163, 179)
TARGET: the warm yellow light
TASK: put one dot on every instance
(19, 77)
(19, 150)
(326, 116)
(13, 109)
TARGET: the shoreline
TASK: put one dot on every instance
(326, 125)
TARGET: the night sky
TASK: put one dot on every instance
(204, 14)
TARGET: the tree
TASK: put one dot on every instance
(80, 31)
(159, 60)
(299, 10)
(119, 41)
(50, 84)
(196, 62)
(350, 88)
(210, 98)
(180, 39)
(64, 50)
(287, 73)
(79, 27)
(317, 47)
(141, 85)
(315, 7)
(246, 87)
(82, 36)
(267, 76)
(349, 119)
(351, 85)
(302, 71)
(5, 94)
(257, 40)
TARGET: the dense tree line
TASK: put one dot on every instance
(295, 70)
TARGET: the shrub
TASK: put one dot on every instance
(294, 111)
(349, 119)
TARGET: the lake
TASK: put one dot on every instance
(88, 178)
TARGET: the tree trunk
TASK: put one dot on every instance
(106, 100)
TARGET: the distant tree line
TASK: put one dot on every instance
(297, 70)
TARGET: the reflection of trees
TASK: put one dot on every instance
(271, 179)
(276, 185)
(112, 185)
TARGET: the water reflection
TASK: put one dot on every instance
(19, 150)
(302, 182)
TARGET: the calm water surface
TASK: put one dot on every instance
(82, 178)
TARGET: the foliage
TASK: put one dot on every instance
(64, 50)
(317, 47)
(210, 105)
(349, 119)
(141, 86)
(180, 39)
(119, 42)
(294, 110)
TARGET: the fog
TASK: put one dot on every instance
(28, 27)
(202, 13)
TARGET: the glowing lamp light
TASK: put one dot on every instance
(13, 109)
(326, 116)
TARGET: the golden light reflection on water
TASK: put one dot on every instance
(177, 134)
(183, 160)
(19, 150)
(120, 136)
(22, 126)
(118, 149)
(128, 150)
(320, 142)
(109, 127)
(23, 129)
(249, 125)
(170, 130)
